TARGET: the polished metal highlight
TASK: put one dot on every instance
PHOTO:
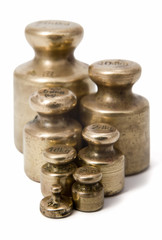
(51, 126)
(114, 103)
(87, 191)
(58, 169)
(102, 154)
(54, 65)
(56, 205)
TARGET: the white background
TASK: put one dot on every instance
(125, 29)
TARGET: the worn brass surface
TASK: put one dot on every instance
(51, 126)
(56, 205)
(54, 65)
(102, 154)
(87, 192)
(115, 103)
(58, 169)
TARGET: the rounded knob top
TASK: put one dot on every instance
(54, 34)
(59, 154)
(114, 73)
(56, 188)
(100, 133)
(87, 175)
(52, 101)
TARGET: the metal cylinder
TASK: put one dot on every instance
(56, 205)
(87, 191)
(58, 169)
(54, 65)
(51, 126)
(116, 104)
(102, 154)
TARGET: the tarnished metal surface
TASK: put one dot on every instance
(87, 192)
(102, 154)
(114, 103)
(54, 65)
(59, 168)
(51, 126)
(56, 205)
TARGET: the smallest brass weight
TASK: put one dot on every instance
(56, 205)
(59, 168)
(87, 191)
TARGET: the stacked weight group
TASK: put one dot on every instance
(79, 140)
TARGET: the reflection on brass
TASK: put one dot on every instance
(115, 103)
(102, 154)
(87, 191)
(57, 205)
(54, 65)
(51, 126)
(58, 169)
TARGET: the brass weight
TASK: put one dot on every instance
(51, 126)
(54, 65)
(87, 191)
(102, 154)
(58, 169)
(115, 103)
(56, 205)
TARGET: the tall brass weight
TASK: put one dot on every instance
(54, 65)
(51, 126)
(115, 103)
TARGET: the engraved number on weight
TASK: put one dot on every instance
(53, 92)
(49, 74)
(88, 171)
(62, 23)
(113, 63)
(52, 24)
(101, 127)
(59, 150)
